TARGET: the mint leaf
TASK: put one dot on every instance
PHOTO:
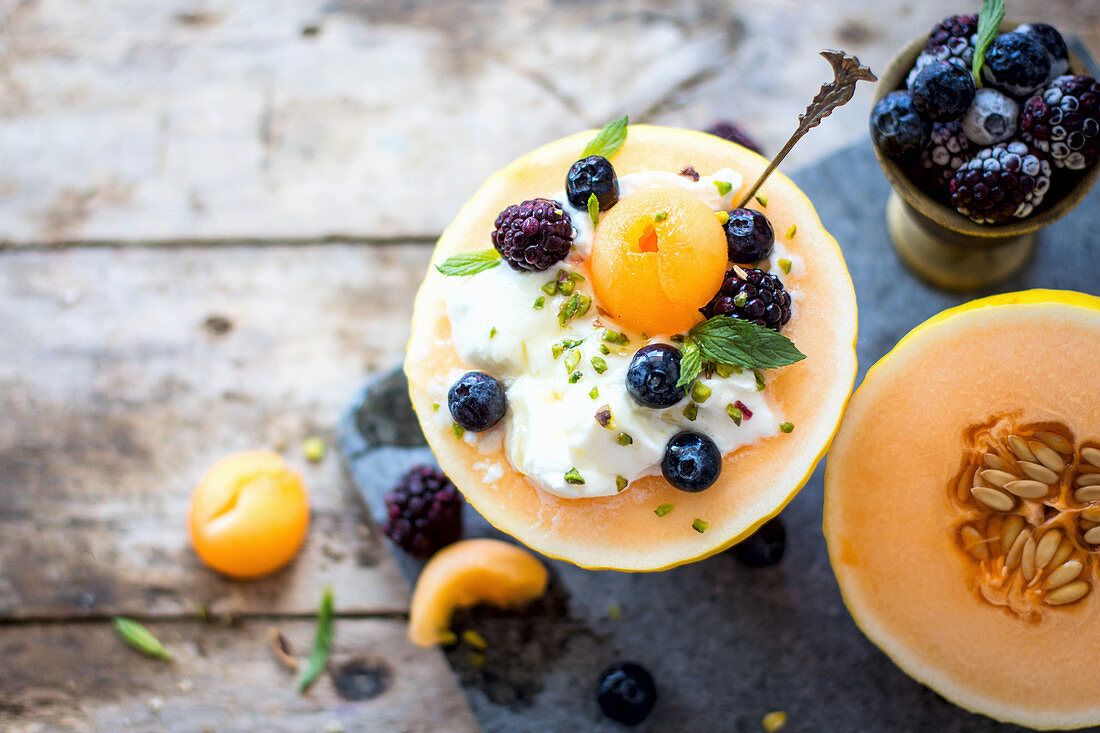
(737, 342)
(609, 139)
(470, 263)
(691, 362)
(141, 638)
(594, 209)
(989, 23)
(322, 644)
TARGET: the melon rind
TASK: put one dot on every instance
(622, 532)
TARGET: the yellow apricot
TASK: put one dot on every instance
(657, 257)
(249, 514)
(466, 573)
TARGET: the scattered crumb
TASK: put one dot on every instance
(773, 721)
(314, 449)
(690, 172)
(474, 639)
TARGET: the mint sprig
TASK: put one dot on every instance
(470, 263)
(594, 209)
(989, 23)
(734, 342)
(322, 644)
(609, 139)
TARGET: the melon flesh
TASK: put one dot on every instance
(622, 532)
(1032, 358)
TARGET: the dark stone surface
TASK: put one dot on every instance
(725, 643)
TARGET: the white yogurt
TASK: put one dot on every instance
(550, 427)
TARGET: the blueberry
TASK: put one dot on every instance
(749, 236)
(1016, 63)
(592, 175)
(943, 91)
(763, 547)
(692, 462)
(992, 118)
(897, 127)
(477, 401)
(626, 693)
(1051, 40)
(652, 376)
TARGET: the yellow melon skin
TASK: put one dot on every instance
(1034, 356)
(621, 532)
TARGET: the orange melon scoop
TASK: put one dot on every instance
(465, 574)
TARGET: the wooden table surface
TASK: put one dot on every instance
(213, 218)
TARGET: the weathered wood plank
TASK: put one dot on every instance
(132, 120)
(119, 387)
(81, 677)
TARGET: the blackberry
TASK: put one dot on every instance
(945, 153)
(652, 376)
(626, 693)
(477, 401)
(1001, 183)
(533, 235)
(1051, 40)
(592, 175)
(1063, 120)
(749, 236)
(897, 127)
(692, 462)
(423, 512)
(992, 118)
(1016, 63)
(732, 132)
(763, 547)
(753, 295)
(942, 91)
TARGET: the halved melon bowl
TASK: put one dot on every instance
(962, 506)
(623, 531)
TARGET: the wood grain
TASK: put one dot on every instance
(119, 388)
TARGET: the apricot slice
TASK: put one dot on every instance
(249, 514)
(467, 573)
(657, 257)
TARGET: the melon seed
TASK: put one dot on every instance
(1038, 472)
(1009, 530)
(992, 498)
(1046, 456)
(1019, 447)
(1092, 455)
(1093, 536)
(1067, 593)
(1027, 489)
(1055, 441)
(1087, 494)
(1061, 554)
(1063, 574)
(1027, 560)
(1088, 479)
(994, 461)
(997, 478)
(973, 542)
(1046, 547)
(1012, 559)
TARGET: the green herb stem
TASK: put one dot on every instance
(322, 644)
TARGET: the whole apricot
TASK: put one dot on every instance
(249, 514)
(657, 257)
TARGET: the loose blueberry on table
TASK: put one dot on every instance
(626, 693)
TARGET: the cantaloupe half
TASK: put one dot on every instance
(622, 532)
(960, 495)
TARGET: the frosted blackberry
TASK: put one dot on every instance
(423, 512)
(735, 134)
(592, 175)
(942, 91)
(992, 118)
(1016, 63)
(947, 151)
(754, 295)
(897, 127)
(534, 235)
(1001, 183)
(1051, 40)
(1063, 120)
(951, 40)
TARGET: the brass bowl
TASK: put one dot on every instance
(940, 244)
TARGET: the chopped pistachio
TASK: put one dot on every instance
(314, 449)
(791, 230)
(539, 302)
(435, 407)
(474, 639)
(620, 483)
(762, 199)
(735, 413)
(594, 393)
(583, 304)
(773, 721)
(615, 337)
(699, 525)
(573, 476)
(614, 612)
(785, 266)
(723, 217)
(492, 332)
(599, 365)
(566, 287)
(575, 277)
(723, 187)
(664, 509)
(575, 377)
(691, 411)
(660, 216)
(700, 392)
(759, 381)
(740, 299)
(572, 359)
(551, 287)
(568, 309)
(786, 427)
(723, 370)
(448, 638)
(604, 350)
(556, 350)
(458, 430)
(604, 417)
(624, 439)
(476, 659)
